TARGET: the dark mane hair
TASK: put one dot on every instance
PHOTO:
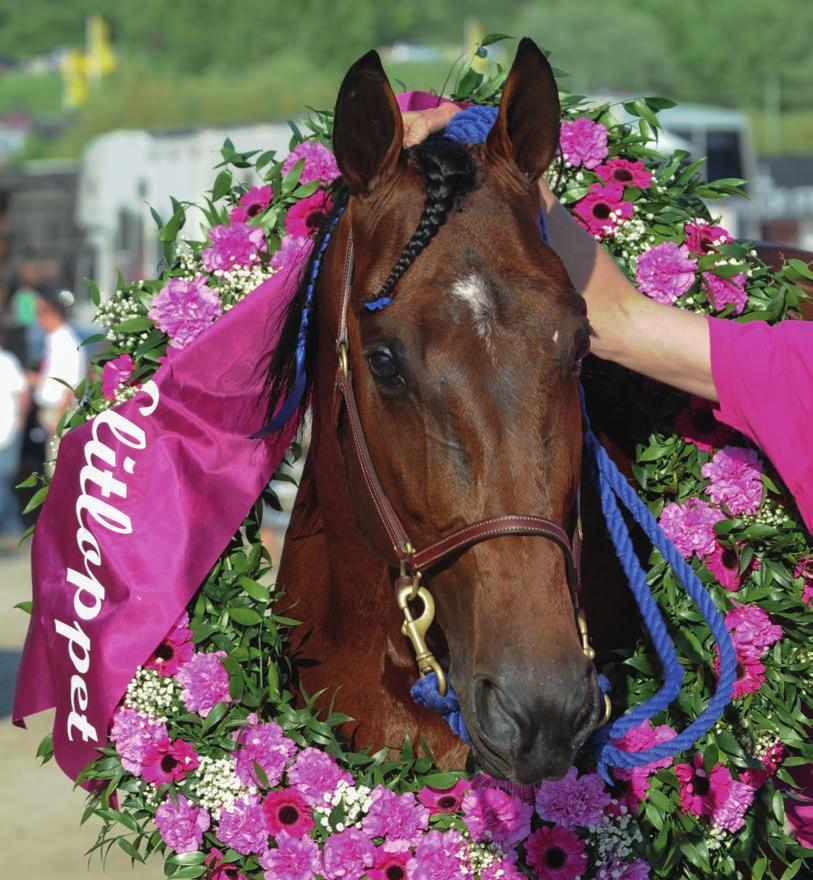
(450, 173)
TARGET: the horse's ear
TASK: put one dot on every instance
(367, 127)
(527, 127)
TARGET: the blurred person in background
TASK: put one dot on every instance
(63, 361)
(15, 400)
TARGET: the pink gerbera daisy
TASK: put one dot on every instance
(252, 204)
(116, 373)
(175, 650)
(724, 564)
(287, 811)
(750, 675)
(625, 172)
(305, 217)
(697, 424)
(702, 237)
(556, 854)
(448, 800)
(169, 762)
(602, 208)
(702, 793)
(390, 863)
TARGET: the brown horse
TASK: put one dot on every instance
(467, 393)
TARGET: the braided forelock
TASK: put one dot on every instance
(450, 173)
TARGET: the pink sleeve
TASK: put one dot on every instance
(764, 380)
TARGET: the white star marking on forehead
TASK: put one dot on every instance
(473, 290)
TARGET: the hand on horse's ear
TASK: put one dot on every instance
(526, 132)
(367, 127)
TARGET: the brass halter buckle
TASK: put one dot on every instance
(415, 628)
(589, 652)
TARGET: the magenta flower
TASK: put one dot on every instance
(666, 272)
(583, 142)
(266, 745)
(287, 811)
(235, 245)
(556, 854)
(640, 738)
(572, 802)
(751, 630)
(347, 855)
(725, 566)
(252, 204)
(135, 735)
(697, 424)
(702, 237)
(183, 309)
(702, 793)
(491, 813)
(295, 858)
(116, 373)
(219, 868)
(690, 526)
(722, 291)
(293, 252)
(804, 570)
(771, 759)
(625, 172)
(736, 479)
(395, 816)
(438, 800)
(502, 870)
(602, 208)
(618, 870)
(182, 824)
(389, 863)
(176, 649)
(169, 762)
(439, 856)
(305, 217)
(320, 163)
(730, 815)
(205, 682)
(316, 776)
(750, 674)
(243, 826)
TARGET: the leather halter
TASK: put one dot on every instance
(415, 562)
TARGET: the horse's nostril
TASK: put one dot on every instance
(499, 721)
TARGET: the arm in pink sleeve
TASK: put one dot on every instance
(764, 380)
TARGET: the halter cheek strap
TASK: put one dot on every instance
(414, 563)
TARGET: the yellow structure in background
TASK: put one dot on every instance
(472, 34)
(96, 61)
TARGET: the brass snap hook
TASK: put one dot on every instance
(415, 629)
(344, 364)
(581, 623)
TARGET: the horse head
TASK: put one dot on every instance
(466, 386)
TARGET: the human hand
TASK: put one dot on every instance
(419, 124)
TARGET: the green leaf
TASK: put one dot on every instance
(215, 715)
(222, 184)
(189, 872)
(36, 500)
(170, 231)
(131, 851)
(25, 606)
(254, 589)
(792, 870)
(441, 781)
(245, 616)
(29, 482)
(134, 325)
(488, 39)
(95, 294)
(189, 858)
(760, 866)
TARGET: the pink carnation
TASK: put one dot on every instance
(618, 870)
(205, 682)
(243, 826)
(287, 811)
(116, 373)
(697, 424)
(295, 858)
(736, 479)
(182, 824)
(639, 739)
(320, 163)
(440, 855)
(702, 237)
(625, 172)
(135, 735)
(556, 854)
(293, 252)
(493, 814)
(722, 291)
(267, 746)
(701, 793)
(502, 870)
(169, 762)
(690, 526)
(305, 217)
(438, 800)
(347, 855)
(666, 272)
(183, 309)
(751, 630)
(252, 204)
(237, 244)
(583, 142)
(730, 815)
(175, 650)
(316, 776)
(602, 208)
(395, 816)
(573, 802)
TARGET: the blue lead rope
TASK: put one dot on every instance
(472, 126)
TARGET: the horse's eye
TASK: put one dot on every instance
(383, 366)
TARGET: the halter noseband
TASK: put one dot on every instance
(413, 562)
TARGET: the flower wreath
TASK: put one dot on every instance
(211, 762)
